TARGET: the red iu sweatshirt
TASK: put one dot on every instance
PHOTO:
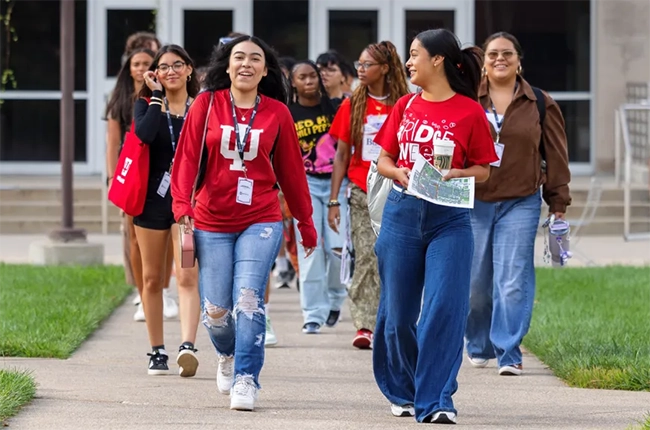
(271, 155)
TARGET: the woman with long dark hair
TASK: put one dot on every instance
(250, 147)
(505, 219)
(382, 81)
(321, 292)
(159, 116)
(424, 250)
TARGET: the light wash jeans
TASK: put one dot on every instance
(233, 271)
(321, 289)
(503, 277)
(424, 252)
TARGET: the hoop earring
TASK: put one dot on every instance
(519, 69)
(189, 78)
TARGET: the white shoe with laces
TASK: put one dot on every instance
(170, 308)
(444, 417)
(243, 394)
(225, 373)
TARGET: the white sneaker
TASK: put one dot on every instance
(444, 417)
(271, 339)
(137, 300)
(402, 411)
(478, 362)
(187, 363)
(170, 308)
(139, 314)
(243, 394)
(225, 373)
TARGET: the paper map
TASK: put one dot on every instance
(426, 182)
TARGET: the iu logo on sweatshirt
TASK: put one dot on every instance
(229, 145)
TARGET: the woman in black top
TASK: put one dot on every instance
(159, 115)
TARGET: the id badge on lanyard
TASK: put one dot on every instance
(163, 187)
(244, 194)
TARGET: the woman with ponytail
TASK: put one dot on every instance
(321, 292)
(424, 250)
(382, 81)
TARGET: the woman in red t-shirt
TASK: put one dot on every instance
(382, 82)
(424, 250)
(241, 132)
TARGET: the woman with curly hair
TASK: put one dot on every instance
(382, 81)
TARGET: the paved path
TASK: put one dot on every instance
(309, 382)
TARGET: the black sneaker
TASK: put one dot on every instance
(333, 318)
(311, 328)
(158, 363)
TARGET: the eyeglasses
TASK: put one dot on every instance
(493, 55)
(177, 66)
(365, 65)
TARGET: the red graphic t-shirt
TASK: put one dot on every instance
(376, 114)
(458, 119)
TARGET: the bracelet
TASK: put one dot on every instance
(151, 103)
(158, 99)
(333, 203)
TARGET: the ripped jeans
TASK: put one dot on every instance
(233, 271)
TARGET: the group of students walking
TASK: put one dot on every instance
(268, 140)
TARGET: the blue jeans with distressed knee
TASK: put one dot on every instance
(233, 272)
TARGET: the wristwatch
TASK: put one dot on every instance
(333, 203)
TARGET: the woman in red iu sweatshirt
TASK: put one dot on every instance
(250, 147)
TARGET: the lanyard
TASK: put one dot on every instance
(169, 120)
(242, 142)
(499, 125)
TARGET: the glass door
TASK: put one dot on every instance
(113, 21)
(413, 16)
(197, 25)
(347, 26)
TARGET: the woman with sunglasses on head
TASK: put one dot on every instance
(506, 213)
(424, 250)
(382, 82)
(159, 116)
(321, 292)
(250, 147)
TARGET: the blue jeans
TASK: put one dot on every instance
(424, 253)
(321, 289)
(503, 277)
(233, 271)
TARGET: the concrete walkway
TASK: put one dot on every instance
(309, 382)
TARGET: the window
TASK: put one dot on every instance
(120, 24)
(555, 37)
(21, 141)
(351, 31)
(417, 21)
(556, 40)
(31, 54)
(202, 30)
(283, 25)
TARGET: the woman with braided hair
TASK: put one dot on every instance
(382, 81)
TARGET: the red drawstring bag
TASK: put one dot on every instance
(130, 180)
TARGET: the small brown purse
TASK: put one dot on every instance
(186, 232)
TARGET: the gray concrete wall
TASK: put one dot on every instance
(622, 55)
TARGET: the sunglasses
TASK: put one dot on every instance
(493, 55)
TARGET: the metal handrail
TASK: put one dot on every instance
(622, 130)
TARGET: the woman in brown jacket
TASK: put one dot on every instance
(507, 209)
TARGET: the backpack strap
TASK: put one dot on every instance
(541, 108)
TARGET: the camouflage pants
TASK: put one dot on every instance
(364, 291)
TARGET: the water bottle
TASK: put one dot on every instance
(558, 241)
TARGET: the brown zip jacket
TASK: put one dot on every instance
(520, 173)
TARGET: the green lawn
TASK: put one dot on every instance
(591, 326)
(16, 389)
(48, 311)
